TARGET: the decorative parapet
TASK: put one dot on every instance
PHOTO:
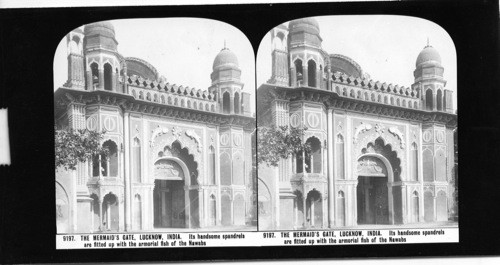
(374, 91)
(174, 95)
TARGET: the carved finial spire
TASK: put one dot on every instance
(428, 45)
(224, 44)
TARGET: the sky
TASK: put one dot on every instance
(386, 47)
(181, 49)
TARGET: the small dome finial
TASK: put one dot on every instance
(224, 44)
(428, 45)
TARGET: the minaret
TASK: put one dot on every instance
(430, 82)
(279, 41)
(227, 85)
(437, 145)
(305, 54)
(76, 77)
(102, 58)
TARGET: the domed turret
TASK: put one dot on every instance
(100, 34)
(428, 55)
(102, 72)
(304, 24)
(430, 82)
(104, 28)
(428, 64)
(225, 58)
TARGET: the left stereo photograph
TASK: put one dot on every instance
(155, 127)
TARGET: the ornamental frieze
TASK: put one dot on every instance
(368, 166)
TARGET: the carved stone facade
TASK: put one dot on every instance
(384, 153)
(179, 157)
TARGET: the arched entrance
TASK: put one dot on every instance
(175, 196)
(314, 209)
(110, 216)
(372, 191)
(169, 203)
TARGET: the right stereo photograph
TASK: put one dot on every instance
(357, 124)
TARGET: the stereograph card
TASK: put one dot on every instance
(288, 131)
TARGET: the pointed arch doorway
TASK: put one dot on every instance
(169, 197)
(374, 202)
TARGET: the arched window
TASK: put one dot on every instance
(414, 162)
(279, 43)
(311, 73)
(299, 71)
(211, 165)
(236, 103)
(428, 99)
(108, 72)
(136, 160)
(439, 100)
(225, 103)
(110, 164)
(313, 158)
(339, 149)
(74, 45)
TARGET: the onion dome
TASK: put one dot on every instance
(309, 24)
(104, 28)
(428, 55)
(225, 58)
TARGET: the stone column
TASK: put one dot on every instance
(293, 79)
(101, 78)
(126, 177)
(319, 78)
(89, 80)
(113, 82)
(100, 215)
(328, 83)
(201, 207)
(330, 175)
(231, 104)
(218, 212)
(125, 77)
(434, 101)
(304, 208)
(305, 75)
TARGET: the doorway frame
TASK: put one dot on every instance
(390, 181)
(187, 183)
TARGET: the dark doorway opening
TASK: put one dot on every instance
(169, 204)
(373, 201)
